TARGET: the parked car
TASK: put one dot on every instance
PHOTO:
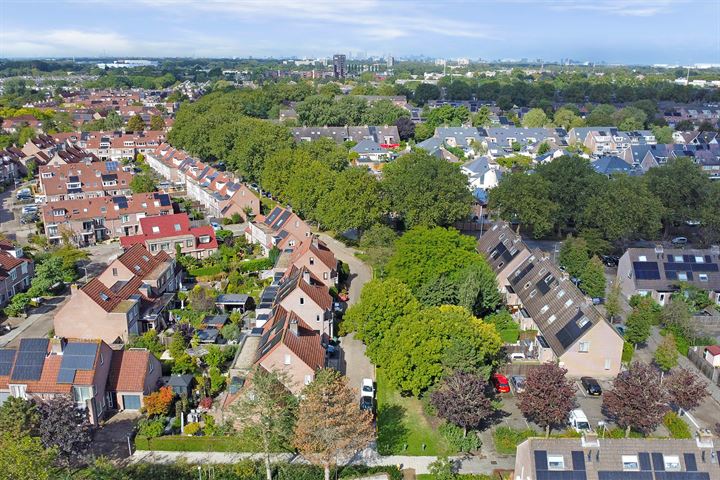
(23, 194)
(598, 301)
(368, 388)
(367, 404)
(29, 209)
(500, 382)
(679, 241)
(518, 383)
(610, 260)
(591, 386)
(29, 218)
(216, 226)
(579, 421)
(692, 223)
(620, 329)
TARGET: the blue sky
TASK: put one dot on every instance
(616, 31)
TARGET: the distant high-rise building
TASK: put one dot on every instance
(390, 61)
(339, 66)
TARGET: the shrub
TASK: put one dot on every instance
(628, 351)
(677, 427)
(456, 439)
(206, 403)
(507, 439)
(192, 429)
(151, 428)
(158, 403)
(255, 265)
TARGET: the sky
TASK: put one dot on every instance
(614, 31)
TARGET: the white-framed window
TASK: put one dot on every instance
(114, 272)
(325, 275)
(13, 274)
(703, 277)
(287, 359)
(556, 462)
(155, 229)
(560, 294)
(551, 319)
(607, 364)
(630, 463)
(682, 276)
(544, 309)
(642, 258)
(699, 259)
(24, 268)
(583, 321)
(678, 258)
(672, 463)
(584, 347)
(188, 243)
(18, 391)
(569, 302)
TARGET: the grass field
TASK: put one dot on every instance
(402, 421)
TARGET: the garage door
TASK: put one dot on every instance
(131, 402)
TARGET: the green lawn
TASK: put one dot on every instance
(402, 421)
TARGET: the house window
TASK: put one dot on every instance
(153, 247)
(155, 229)
(703, 277)
(607, 364)
(287, 359)
(114, 272)
(569, 302)
(560, 294)
(584, 347)
(533, 293)
(125, 218)
(312, 260)
(302, 300)
(678, 258)
(13, 274)
(583, 321)
(81, 395)
(177, 227)
(188, 243)
(544, 309)
(308, 379)
(551, 319)
(18, 391)
(672, 463)
(556, 462)
(682, 276)
(699, 259)
(642, 258)
(630, 463)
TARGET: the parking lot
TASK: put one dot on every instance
(10, 216)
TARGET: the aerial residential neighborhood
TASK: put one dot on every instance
(274, 241)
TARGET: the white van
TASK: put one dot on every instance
(579, 421)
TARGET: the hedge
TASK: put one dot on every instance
(182, 443)
(677, 427)
(256, 265)
(207, 271)
(507, 439)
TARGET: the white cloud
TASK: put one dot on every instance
(632, 8)
(26, 43)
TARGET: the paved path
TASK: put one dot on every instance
(360, 273)
(36, 325)
(465, 464)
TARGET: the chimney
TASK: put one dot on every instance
(715, 250)
(73, 289)
(294, 326)
(306, 276)
(704, 438)
(315, 241)
(590, 439)
(659, 250)
(57, 345)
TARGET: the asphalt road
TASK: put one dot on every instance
(353, 362)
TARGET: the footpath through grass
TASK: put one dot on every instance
(401, 421)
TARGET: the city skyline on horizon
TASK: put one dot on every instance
(627, 32)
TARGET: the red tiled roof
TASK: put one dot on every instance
(169, 226)
(713, 349)
(307, 344)
(128, 371)
(141, 262)
(319, 249)
(108, 299)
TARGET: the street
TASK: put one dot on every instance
(353, 362)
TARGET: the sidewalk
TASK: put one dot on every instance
(467, 464)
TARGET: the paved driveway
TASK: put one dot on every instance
(36, 325)
(10, 212)
(111, 438)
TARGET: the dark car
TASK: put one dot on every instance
(591, 386)
(610, 260)
(367, 404)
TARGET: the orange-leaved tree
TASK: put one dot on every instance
(158, 403)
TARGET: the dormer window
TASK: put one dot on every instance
(569, 302)
(556, 462)
(630, 463)
(104, 297)
(177, 227)
(672, 463)
(155, 229)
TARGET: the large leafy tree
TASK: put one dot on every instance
(639, 323)
(64, 427)
(425, 92)
(413, 350)
(424, 254)
(19, 416)
(135, 124)
(330, 426)
(268, 410)
(478, 290)
(378, 243)
(607, 211)
(666, 354)
(637, 399)
(143, 183)
(592, 279)
(681, 187)
(426, 190)
(535, 118)
(353, 203)
(383, 112)
(23, 456)
(566, 118)
(548, 397)
(685, 389)
(462, 399)
(525, 198)
(382, 304)
(574, 256)
(571, 180)
(709, 214)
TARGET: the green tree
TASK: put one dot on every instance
(574, 256)
(605, 210)
(268, 409)
(568, 119)
(425, 92)
(135, 124)
(662, 134)
(543, 148)
(382, 304)
(666, 354)
(353, 203)
(309, 184)
(157, 122)
(19, 417)
(681, 187)
(415, 346)
(535, 118)
(378, 243)
(426, 190)
(482, 117)
(143, 183)
(592, 279)
(613, 307)
(638, 324)
(525, 199)
(18, 304)
(630, 118)
(601, 116)
(383, 112)
(25, 457)
(477, 289)
(113, 120)
(708, 214)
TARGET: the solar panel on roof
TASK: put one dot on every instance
(682, 476)
(607, 475)
(81, 348)
(572, 331)
(34, 345)
(578, 460)
(6, 361)
(690, 462)
(658, 461)
(66, 375)
(644, 458)
(112, 166)
(646, 270)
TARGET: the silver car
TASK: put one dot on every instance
(518, 383)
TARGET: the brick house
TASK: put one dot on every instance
(134, 374)
(166, 232)
(16, 271)
(281, 228)
(83, 180)
(132, 295)
(315, 255)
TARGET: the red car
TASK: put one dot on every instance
(500, 382)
